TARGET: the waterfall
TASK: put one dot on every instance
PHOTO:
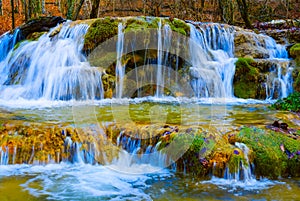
(72, 152)
(4, 156)
(279, 85)
(140, 154)
(211, 48)
(243, 172)
(52, 68)
(275, 50)
(164, 45)
(120, 69)
(7, 42)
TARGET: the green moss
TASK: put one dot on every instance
(138, 24)
(103, 29)
(290, 103)
(295, 50)
(135, 24)
(190, 162)
(100, 31)
(245, 78)
(32, 37)
(35, 36)
(235, 162)
(180, 26)
(269, 160)
(295, 53)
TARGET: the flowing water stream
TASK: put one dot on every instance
(51, 81)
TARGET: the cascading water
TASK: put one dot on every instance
(52, 68)
(241, 177)
(280, 85)
(275, 50)
(120, 69)
(243, 172)
(7, 42)
(213, 63)
(138, 154)
(164, 45)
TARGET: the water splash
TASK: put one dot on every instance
(137, 154)
(81, 181)
(243, 172)
(242, 177)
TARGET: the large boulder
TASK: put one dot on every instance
(249, 44)
(41, 24)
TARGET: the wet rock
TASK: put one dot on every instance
(246, 79)
(281, 127)
(251, 45)
(42, 24)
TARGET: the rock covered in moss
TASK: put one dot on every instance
(99, 31)
(294, 52)
(269, 160)
(247, 81)
(105, 28)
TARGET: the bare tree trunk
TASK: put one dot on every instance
(12, 14)
(29, 9)
(287, 3)
(25, 10)
(202, 3)
(95, 8)
(1, 11)
(221, 11)
(78, 10)
(70, 6)
(243, 8)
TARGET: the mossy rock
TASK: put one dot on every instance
(35, 36)
(140, 24)
(100, 31)
(295, 50)
(295, 53)
(179, 26)
(246, 78)
(269, 160)
(108, 82)
(31, 37)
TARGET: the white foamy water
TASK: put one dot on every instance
(43, 103)
(80, 182)
(234, 186)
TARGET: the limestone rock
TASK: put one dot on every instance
(249, 44)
